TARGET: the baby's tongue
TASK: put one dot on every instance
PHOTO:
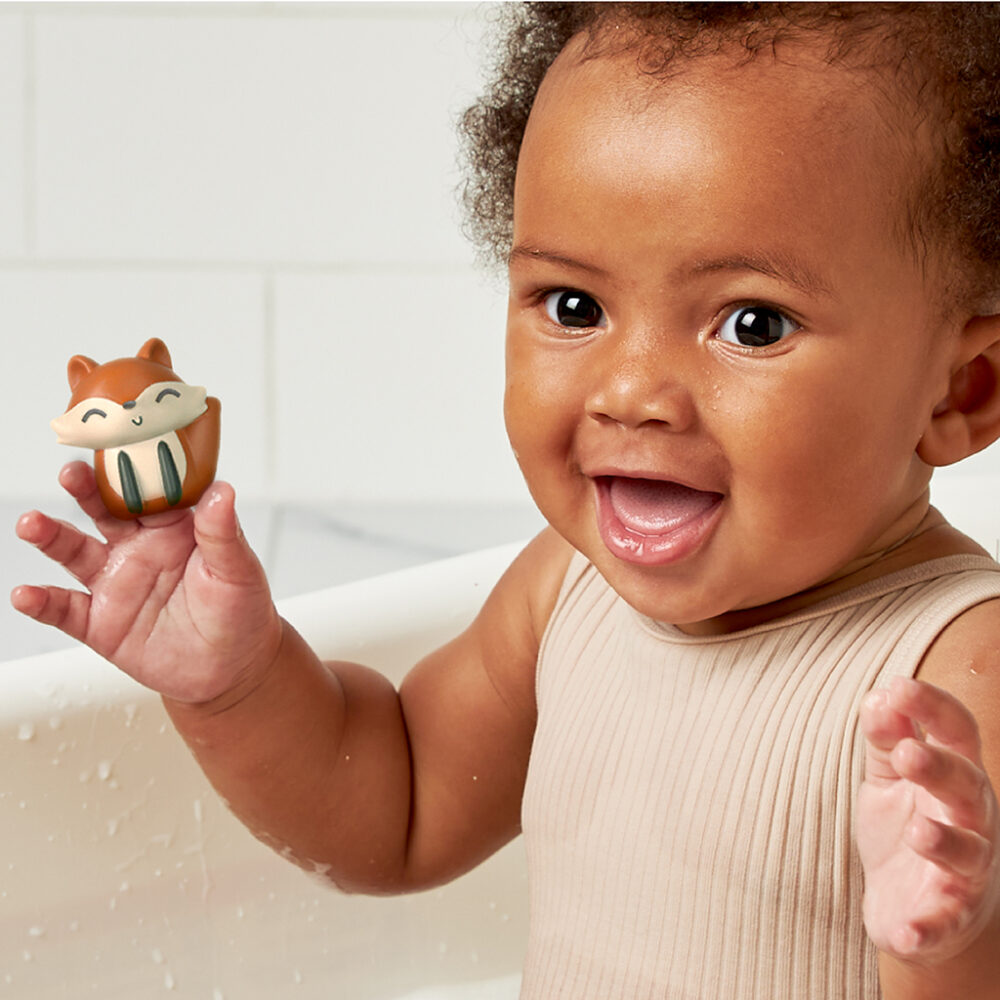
(653, 507)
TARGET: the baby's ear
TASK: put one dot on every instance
(968, 418)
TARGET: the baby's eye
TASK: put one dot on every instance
(756, 326)
(574, 309)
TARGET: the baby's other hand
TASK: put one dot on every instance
(179, 600)
(927, 825)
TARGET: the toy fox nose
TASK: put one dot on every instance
(128, 405)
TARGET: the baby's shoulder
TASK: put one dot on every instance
(965, 658)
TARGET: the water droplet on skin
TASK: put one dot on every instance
(36, 932)
(26, 731)
(168, 981)
(157, 956)
(104, 770)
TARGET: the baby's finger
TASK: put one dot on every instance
(883, 728)
(79, 481)
(955, 781)
(66, 610)
(225, 552)
(945, 719)
(962, 851)
(78, 553)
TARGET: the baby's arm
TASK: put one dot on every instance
(928, 822)
(383, 791)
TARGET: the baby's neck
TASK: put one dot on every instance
(932, 537)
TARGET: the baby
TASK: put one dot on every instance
(743, 694)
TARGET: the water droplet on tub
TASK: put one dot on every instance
(26, 731)
(36, 932)
(157, 956)
(104, 770)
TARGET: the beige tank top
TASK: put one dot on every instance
(688, 807)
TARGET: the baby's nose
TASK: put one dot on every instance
(637, 387)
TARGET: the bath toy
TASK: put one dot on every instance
(155, 438)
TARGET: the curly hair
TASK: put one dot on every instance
(943, 57)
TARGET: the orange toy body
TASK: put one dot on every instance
(155, 438)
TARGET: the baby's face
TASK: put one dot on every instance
(721, 355)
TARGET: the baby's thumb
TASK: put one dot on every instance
(224, 550)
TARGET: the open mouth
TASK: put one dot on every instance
(652, 520)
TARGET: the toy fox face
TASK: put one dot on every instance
(97, 418)
(156, 437)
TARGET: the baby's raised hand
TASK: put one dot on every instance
(179, 600)
(927, 825)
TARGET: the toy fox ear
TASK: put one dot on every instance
(155, 350)
(79, 366)
(967, 419)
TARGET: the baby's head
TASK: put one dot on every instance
(938, 63)
(752, 283)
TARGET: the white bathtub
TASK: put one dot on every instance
(122, 875)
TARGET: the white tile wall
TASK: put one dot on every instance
(321, 136)
(270, 188)
(421, 354)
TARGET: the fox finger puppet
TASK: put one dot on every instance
(155, 438)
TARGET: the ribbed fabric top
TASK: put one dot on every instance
(688, 808)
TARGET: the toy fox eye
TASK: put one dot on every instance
(93, 413)
(571, 308)
(756, 326)
(167, 392)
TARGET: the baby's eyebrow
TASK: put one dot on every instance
(777, 266)
(533, 253)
